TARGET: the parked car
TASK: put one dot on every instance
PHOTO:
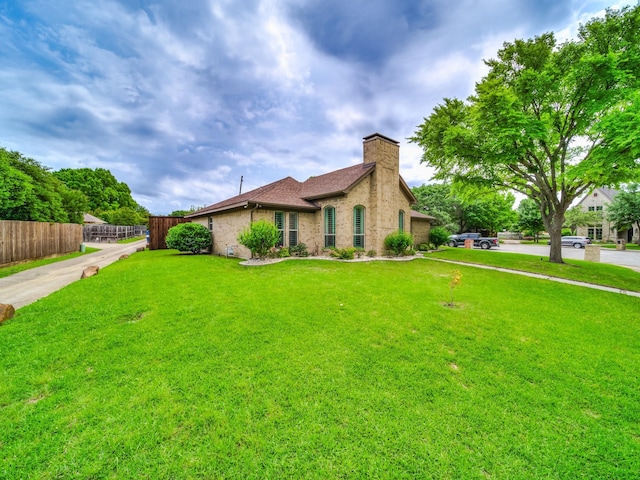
(484, 243)
(575, 242)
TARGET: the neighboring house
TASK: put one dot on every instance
(604, 231)
(91, 220)
(357, 206)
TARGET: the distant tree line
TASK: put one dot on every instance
(467, 210)
(30, 191)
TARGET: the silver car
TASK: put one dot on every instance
(575, 242)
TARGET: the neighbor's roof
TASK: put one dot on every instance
(420, 216)
(88, 218)
(609, 193)
(289, 193)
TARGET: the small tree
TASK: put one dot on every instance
(260, 238)
(530, 218)
(577, 217)
(438, 236)
(189, 237)
(398, 242)
(624, 210)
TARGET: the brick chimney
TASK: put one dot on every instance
(386, 198)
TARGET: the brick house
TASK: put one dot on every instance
(603, 231)
(356, 206)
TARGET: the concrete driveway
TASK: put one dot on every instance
(26, 287)
(626, 258)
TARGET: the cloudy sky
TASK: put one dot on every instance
(180, 98)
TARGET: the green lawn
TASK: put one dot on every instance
(6, 271)
(579, 270)
(179, 366)
(132, 239)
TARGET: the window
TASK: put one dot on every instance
(401, 221)
(293, 229)
(599, 208)
(358, 226)
(329, 227)
(594, 233)
(211, 224)
(279, 221)
(592, 209)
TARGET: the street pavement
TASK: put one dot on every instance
(30, 285)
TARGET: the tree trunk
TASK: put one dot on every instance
(553, 223)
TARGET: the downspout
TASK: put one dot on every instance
(251, 213)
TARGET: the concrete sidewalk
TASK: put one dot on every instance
(26, 287)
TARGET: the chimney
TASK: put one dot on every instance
(384, 151)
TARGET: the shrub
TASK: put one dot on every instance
(398, 242)
(284, 252)
(438, 236)
(343, 253)
(371, 253)
(423, 247)
(189, 237)
(299, 250)
(260, 237)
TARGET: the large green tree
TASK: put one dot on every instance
(103, 190)
(29, 192)
(461, 210)
(551, 121)
(624, 209)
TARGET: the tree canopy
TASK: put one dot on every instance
(104, 191)
(551, 121)
(29, 192)
(460, 211)
(529, 218)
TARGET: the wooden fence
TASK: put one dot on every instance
(21, 241)
(111, 233)
(158, 228)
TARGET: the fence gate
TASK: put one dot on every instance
(158, 228)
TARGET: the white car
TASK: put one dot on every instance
(575, 242)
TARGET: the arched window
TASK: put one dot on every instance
(401, 221)
(358, 226)
(329, 227)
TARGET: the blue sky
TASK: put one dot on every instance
(179, 99)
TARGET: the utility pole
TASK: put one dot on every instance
(241, 178)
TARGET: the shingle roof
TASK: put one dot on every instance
(336, 182)
(420, 216)
(290, 193)
(88, 218)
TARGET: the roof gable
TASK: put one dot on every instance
(608, 194)
(336, 182)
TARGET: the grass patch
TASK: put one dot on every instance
(194, 366)
(21, 267)
(578, 270)
(133, 239)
